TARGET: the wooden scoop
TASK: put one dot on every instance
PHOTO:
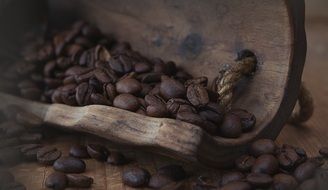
(202, 37)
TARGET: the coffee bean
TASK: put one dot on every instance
(211, 116)
(157, 106)
(170, 88)
(135, 177)
(48, 155)
(324, 151)
(173, 171)
(190, 117)
(244, 163)
(80, 181)
(197, 95)
(247, 119)
(173, 105)
(128, 86)
(102, 76)
(69, 165)
(157, 181)
(122, 64)
(231, 127)
(197, 81)
(266, 164)
(150, 77)
(57, 181)
(79, 151)
(29, 151)
(116, 158)
(305, 171)
(126, 102)
(109, 91)
(238, 185)
(262, 146)
(98, 152)
(102, 54)
(309, 184)
(284, 182)
(231, 177)
(187, 108)
(288, 157)
(99, 99)
(142, 67)
(259, 180)
(83, 93)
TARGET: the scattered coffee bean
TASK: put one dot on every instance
(231, 127)
(135, 177)
(127, 102)
(48, 155)
(305, 171)
(262, 146)
(197, 95)
(284, 182)
(266, 164)
(57, 181)
(128, 86)
(231, 177)
(244, 163)
(69, 165)
(80, 181)
(247, 119)
(171, 88)
(79, 151)
(309, 184)
(98, 152)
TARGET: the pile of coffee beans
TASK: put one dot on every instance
(79, 67)
(272, 167)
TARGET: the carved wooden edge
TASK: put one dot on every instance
(296, 11)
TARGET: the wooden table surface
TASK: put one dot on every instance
(311, 136)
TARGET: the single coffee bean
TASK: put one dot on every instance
(197, 81)
(244, 163)
(173, 105)
(116, 158)
(173, 171)
(305, 171)
(99, 99)
(83, 93)
(231, 177)
(29, 151)
(79, 151)
(211, 116)
(158, 181)
(190, 117)
(57, 181)
(171, 88)
(98, 152)
(122, 64)
(288, 157)
(135, 177)
(238, 185)
(247, 119)
(231, 127)
(126, 102)
(69, 165)
(102, 76)
(142, 67)
(324, 151)
(197, 95)
(187, 108)
(259, 180)
(128, 86)
(109, 91)
(284, 182)
(266, 164)
(262, 146)
(48, 155)
(80, 181)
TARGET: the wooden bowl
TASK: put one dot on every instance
(201, 37)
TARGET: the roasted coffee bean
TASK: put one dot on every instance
(288, 157)
(14, 186)
(317, 160)
(259, 180)
(135, 177)
(84, 77)
(149, 77)
(262, 146)
(305, 171)
(190, 117)
(126, 102)
(102, 54)
(197, 95)
(57, 181)
(171, 88)
(230, 127)
(324, 151)
(98, 152)
(48, 155)
(80, 181)
(173, 171)
(173, 105)
(77, 70)
(187, 108)
(128, 86)
(197, 81)
(211, 116)
(83, 93)
(266, 164)
(231, 177)
(247, 119)
(238, 185)
(157, 106)
(145, 89)
(99, 99)
(244, 163)
(109, 91)
(157, 181)
(69, 165)
(30, 138)
(116, 158)
(284, 182)
(210, 128)
(29, 151)
(142, 67)
(79, 151)
(102, 76)
(121, 64)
